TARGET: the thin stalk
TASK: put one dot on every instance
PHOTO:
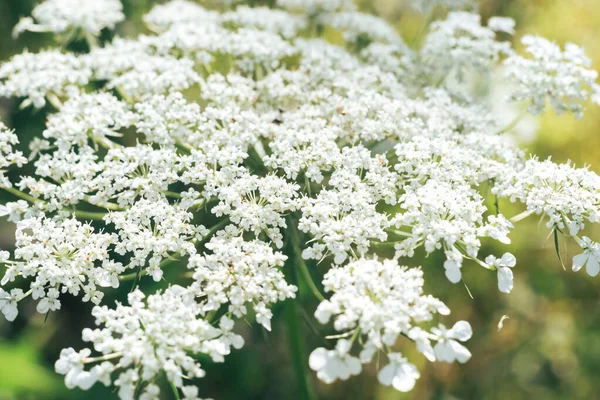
(299, 263)
(513, 123)
(107, 357)
(97, 216)
(221, 224)
(131, 276)
(522, 216)
(400, 233)
(298, 354)
(138, 274)
(174, 389)
(106, 143)
(107, 205)
(22, 195)
(172, 194)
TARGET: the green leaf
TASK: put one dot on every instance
(556, 246)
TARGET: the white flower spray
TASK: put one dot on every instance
(241, 145)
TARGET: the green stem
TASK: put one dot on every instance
(131, 276)
(522, 216)
(174, 389)
(299, 261)
(298, 354)
(107, 357)
(172, 194)
(107, 205)
(106, 143)
(22, 195)
(97, 216)
(513, 123)
(215, 228)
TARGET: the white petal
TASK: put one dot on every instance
(426, 349)
(505, 279)
(85, 380)
(508, 260)
(354, 365)
(579, 261)
(322, 314)
(405, 378)
(592, 267)
(10, 311)
(343, 346)
(443, 352)
(461, 353)
(338, 368)
(453, 273)
(318, 359)
(461, 331)
(367, 353)
(386, 375)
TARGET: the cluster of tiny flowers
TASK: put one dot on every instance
(460, 42)
(380, 301)
(562, 78)
(239, 273)
(427, 6)
(58, 16)
(147, 338)
(60, 256)
(228, 151)
(8, 155)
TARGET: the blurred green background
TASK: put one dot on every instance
(548, 348)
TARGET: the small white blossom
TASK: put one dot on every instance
(460, 42)
(590, 257)
(312, 7)
(35, 77)
(239, 272)
(427, 6)
(563, 78)
(332, 365)
(399, 373)
(176, 12)
(448, 347)
(502, 24)
(58, 16)
(505, 274)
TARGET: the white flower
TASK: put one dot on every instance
(60, 15)
(56, 254)
(240, 272)
(505, 274)
(316, 6)
(448, 348)
(453, 265)
(8, 303)
(288, 149)
(563, 78)
(399, 373)
(426, 6)
(332, 365)
(460, 42)
(590, 257)
(178, 11)
(502, 24)
(37, 76)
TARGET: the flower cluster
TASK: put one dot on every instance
(58, 16)
(8, 155)
(381, 301)
(562, 78)
(460, 42)
(227, 152)
(146, 338)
